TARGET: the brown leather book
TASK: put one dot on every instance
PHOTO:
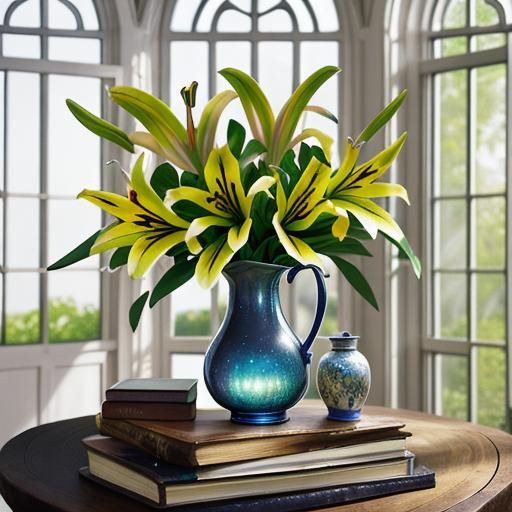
(158, 411)
(213, 439)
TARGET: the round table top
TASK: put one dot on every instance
(473, 465)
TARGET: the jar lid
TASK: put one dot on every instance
(344, 341)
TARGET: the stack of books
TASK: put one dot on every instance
(211, 464)
(151, 399)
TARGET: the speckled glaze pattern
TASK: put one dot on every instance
(343, 379)
(254, 366)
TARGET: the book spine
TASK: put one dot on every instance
(171, 451)
(118, 395)
(148, 411)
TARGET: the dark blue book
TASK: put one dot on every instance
(421, 478)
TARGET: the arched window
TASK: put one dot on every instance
(51, 50)
(279, 42)
(465, 84)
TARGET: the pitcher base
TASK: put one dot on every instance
(259, 418)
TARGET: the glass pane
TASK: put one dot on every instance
(74, 49)
(450, 46)
(486, 15)
(183, 15)
(190, 306)
(205, 20)
(490, 215)
(455, 15)
(22, 242)
(23, 132)
(26, 14)
(69, 224)
(490, 126)
(73, 306)
(488, 41)
(330, 324)
(73, 153)
(189, 62)
(235, 54)
(60, 16)
(27, 47)
(88, 13)
(302, 14)
(190, 366)
(450, 234)
(275, 21)
(490, 307)
(453, 386)
(326, 14)
(491, 367)
(450, 306)
(263, 5)
(450, 127)
(276, 72)
(313, 55)
(22, 308)
(233, 21)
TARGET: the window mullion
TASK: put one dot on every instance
(43, 210)
(508, 234)
(470, 248)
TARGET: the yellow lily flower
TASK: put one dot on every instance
(299, 211)
(146, 223)
(229, 206)
(351, 190)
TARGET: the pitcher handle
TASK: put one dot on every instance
(321, 305)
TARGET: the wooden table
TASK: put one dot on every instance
(473, 464)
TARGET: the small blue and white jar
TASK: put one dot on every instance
(343, 378)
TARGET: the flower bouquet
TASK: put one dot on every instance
(271, 199)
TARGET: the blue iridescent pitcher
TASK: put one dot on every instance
(256, 366)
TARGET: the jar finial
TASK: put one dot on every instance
(344, 341)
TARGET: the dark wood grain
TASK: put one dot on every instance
(39, 469)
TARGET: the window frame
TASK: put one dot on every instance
(109, 74)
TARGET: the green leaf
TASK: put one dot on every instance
(382, 118)
(288, 117)
(119, 258)
(136, 310)
(164, 178)
(304, 156)
(77, 254)
(253, 150)
(290, 167)
(285, 260)
(99, 126)
(176, 276)
(254, 102)
(236, 137)
(356, 279)
(188, 179)
(207, 127)
(330, 245)
(318, 153)
(322, 112)
(406, 252)
(249, 175)
(188, 210)
(178, 250)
